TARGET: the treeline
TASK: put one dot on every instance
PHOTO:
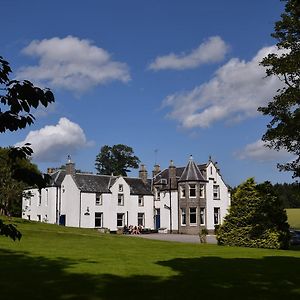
(288, 193)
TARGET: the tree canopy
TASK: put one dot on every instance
(116, 159)
(17, 100)
(283, 131)
(256, 218)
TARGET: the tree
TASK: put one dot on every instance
(116, 160)
(283, 131)
(256, 218)
(17, 100)
(11, 189)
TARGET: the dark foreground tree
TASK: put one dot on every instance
(116, 160)
(17, 100)
(256, 218)
(283, 132)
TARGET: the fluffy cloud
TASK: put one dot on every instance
(212, 50)
(235, 92)
(260, 152)
(54, 142)
(72, 64)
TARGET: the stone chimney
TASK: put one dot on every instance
(156, 170)
(70, 166)
(143, 174)
(172, 175)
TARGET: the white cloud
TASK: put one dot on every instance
(210, 51)
(235, 92)
(258, 151)
(54, 142)
(72, 64)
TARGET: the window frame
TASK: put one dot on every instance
(141, 217)
(216, 192)
(99, 217)
(202, 216)
(121, 188)
(217, 216)
(140, 200)
(98, 199)
(183, 216)
(202, 191)
(193, 214)
(182, 191)
(192, 189)
(120, 199)
(122, 219)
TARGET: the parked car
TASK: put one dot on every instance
(295, 237)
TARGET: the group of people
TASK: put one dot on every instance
(132, 229)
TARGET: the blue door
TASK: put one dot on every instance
(157, 218)
(62, 220)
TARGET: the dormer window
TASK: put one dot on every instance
(192, 190)
(120, 187)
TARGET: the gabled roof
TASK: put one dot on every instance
(191, 172)
(57, 178)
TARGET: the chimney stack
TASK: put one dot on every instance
(156, 170)
(70, 167)
(143, 174)
(172, 175)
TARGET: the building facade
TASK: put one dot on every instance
(177, 199)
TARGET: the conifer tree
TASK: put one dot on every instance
(256, 218)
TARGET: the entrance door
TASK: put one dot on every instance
(62, 220)
(157, 218)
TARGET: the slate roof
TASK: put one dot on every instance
(138, 187)
(94, 183)
(164, 174)
(191, 173)
(57, 178)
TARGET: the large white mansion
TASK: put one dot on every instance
(179, 199)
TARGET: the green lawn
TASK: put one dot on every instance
(52, 262)
(294, 217)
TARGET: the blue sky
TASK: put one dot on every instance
(182, 77)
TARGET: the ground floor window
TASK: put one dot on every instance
(183, 216)
(216, 215)
(120, 220)
(39, 217)
(141, 219)
(193, 215)
(98, 219)
(202, 216)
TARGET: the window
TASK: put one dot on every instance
(216, 215)
(40, 199)
(120, 220)
(46, 218)
(192, 190)
(216, 191)
(98, 219)
(98, 199)
(39, 217)
(202, 216)
(183, 216)
(210, 170)
(120, 199)
(28, 217)
(120, 187)
(182, 191)
(141, 201)
(141, 219)
(202, 195)
(193, 215)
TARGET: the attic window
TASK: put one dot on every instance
(141, 201)
(98, 199)
(120, 199)
(120, 187)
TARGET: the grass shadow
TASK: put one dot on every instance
(275, 277)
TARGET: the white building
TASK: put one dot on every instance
(181, 200)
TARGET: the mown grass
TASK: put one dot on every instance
(294, 217)
(52, 262)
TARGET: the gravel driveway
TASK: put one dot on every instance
(184, 238)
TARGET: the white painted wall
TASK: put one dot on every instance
(223, 203)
